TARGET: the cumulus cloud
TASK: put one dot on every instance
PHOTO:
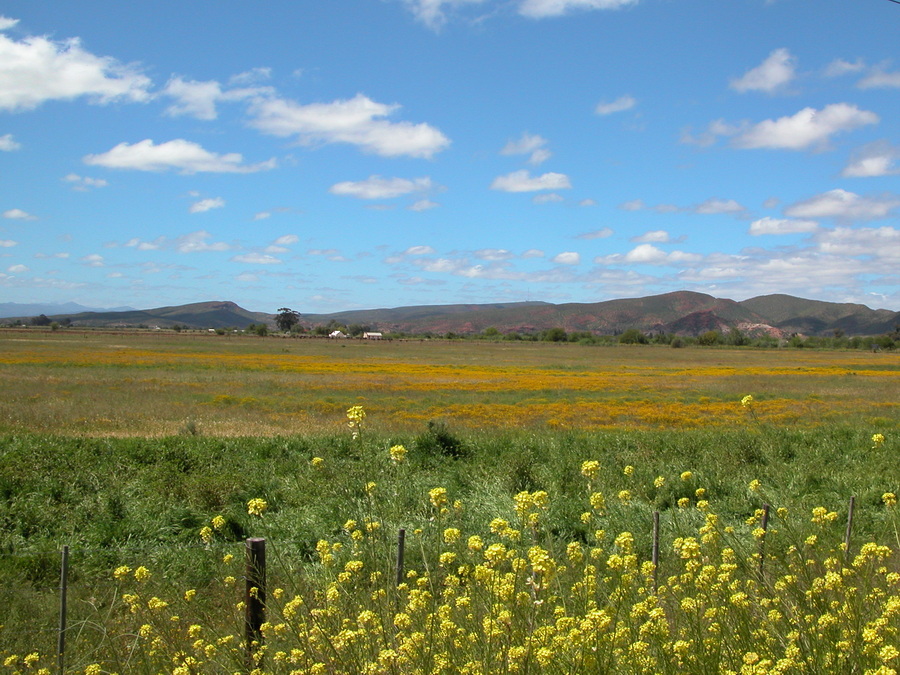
(200, 99)
(194, 242)
(880, 79)
(805, 129)
(358, 121)
(540, 9)
(256, 259)
(522, 181)
(492, 254)
(715, 206)
(8, 243)
(8, 144)
(376, 187)
(17, 269)
(93, 260)
(423, 205)
(432, 12)
(875, 159)
(602, 233)
(207, 205)
(547, 198)
(18, 214)
(531, 145)
(286, 240)
(771, 76)
(781, 226)
(621, 104)
(567, 258)
(180, 155)
(654, 236)
(84, 183)
(840, 67)
(844, 205)
(36, 69)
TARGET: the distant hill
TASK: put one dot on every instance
(195, 315)
(16, 309)
(681, 313)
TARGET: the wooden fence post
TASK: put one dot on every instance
(63, 605)
(255, 596)
(850, 511)
(401, 549)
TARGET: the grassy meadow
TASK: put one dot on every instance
(525, 476)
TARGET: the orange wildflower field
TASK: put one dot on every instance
(162, 383)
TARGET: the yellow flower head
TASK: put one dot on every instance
(257, 506)
(747, 401)
(590, 469)
(142, 573)
(438, 497)
(206, 534)
(877, 440)
(686, 476)
(628, 470)
(889, 499)
(218, 522)
(122, 572)
(317, 462)
(398, 453)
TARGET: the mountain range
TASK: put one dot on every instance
(681, 313)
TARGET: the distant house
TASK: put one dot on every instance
(337, 334)
(372, 336)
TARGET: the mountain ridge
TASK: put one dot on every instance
(685, 313)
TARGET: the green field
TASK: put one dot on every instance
(144, 450)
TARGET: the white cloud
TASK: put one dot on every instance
(807, 128)
(880, 79)
(359, 121)
(419, 250)
(252, 76)
(547, 198)
(567, 258)
(247, 278)
(602, 233)
(423, 205)
(36, 70)
(8, 243)
(539, 9)
(431, 12)
(6, 23)
(84, 183)
(844, 205)
(882, 243)
(194, 242)
(93, 260)
(493, 254)
(621, 104)
(18, 214)
(646, 254)
(714, 206)
(256, 259)
(376, 187)
(771, 76)
(840, 67)
(207, 205)
(875, 159)
(522, 181)
(286, 240)
(8, 144)
(781, 226)
(654, 236)
(587, 202)
(533, 253)
(17, 269)
(199, 99)
(179, 154)
(633, 205)
(531, 145)
(262, 215)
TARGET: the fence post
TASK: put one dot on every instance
(401, 547)
(255, 596)
(63, 604)
(762, 540)
(850, 511)
(655, 551)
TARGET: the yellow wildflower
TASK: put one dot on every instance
(889, 499)
(398, 453)
(122, 572)
(590, 469)
(877, 440)
(218, 522)
(747, 401)
(257, 506)
(142, 573)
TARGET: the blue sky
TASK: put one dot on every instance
(341, 154)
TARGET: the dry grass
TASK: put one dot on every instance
(140, 384)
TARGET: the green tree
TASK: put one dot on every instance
(709, 338)
(633, 336)
(287, 318)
